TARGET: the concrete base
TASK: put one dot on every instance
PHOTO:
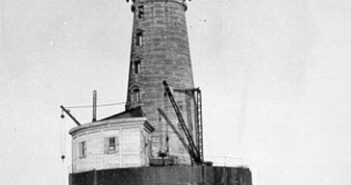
(166, 175)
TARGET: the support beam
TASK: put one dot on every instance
(70, 115)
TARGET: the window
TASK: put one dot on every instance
(139, 38)
(137, 66)
(136, 95)
(82, 149)
(111, 145)
(141, 12)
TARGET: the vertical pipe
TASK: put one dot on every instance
(200, 124)
(95, 177)
(196, 107)
(94, 105)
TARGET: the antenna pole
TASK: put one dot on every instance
(94, 106)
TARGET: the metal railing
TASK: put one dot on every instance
(229, 161)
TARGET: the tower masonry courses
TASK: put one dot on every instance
(160, 51)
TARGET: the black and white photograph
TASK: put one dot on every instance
(175, 92)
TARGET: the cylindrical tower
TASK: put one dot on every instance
(160, 51)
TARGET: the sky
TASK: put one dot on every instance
(275, 77)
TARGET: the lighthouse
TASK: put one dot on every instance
(149, 132)
(160, 52)
(158, 138)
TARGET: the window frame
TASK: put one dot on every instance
(111, 147)
(82, 147)
(139, 38)
(136, 95)
(141, 14)
(112, 144)
(137, 66)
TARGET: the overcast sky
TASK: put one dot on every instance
(275, 76)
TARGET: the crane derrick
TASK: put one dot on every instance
(192, 149)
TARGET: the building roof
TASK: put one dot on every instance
(129, 116)
(136, 112)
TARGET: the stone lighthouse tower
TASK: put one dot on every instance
(160, 51)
